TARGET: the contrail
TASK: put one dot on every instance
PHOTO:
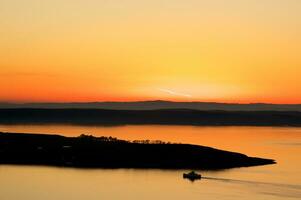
(174, 93)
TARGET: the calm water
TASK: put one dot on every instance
(280, 181)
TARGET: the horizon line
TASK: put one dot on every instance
(144, 101)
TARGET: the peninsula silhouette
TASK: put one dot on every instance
(107, 152)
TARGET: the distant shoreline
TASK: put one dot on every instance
(106, 152)
(157, 105)
(106, 117)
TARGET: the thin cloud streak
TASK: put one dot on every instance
(174, 93)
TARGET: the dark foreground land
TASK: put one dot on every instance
(167, 117)
(107, 152)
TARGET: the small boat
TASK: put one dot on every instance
(192, 176)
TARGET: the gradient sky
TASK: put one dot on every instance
(125, 50)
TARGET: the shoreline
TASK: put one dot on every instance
(99, 117)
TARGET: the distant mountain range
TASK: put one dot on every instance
(105, 117)
(155, 105)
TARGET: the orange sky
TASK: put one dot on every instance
(75, 50)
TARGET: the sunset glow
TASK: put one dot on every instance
(226, 51)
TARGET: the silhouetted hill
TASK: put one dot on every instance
(155, 105)
(107, 152)
(135, 117)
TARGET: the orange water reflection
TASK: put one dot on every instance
(280, 181)
(280, 143)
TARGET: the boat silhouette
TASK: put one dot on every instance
(192, 176)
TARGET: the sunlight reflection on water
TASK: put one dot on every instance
(280, 181)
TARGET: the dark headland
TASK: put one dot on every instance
(107, 152)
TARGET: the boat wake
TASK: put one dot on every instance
(275, 189)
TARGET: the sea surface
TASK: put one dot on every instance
(279, 181)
